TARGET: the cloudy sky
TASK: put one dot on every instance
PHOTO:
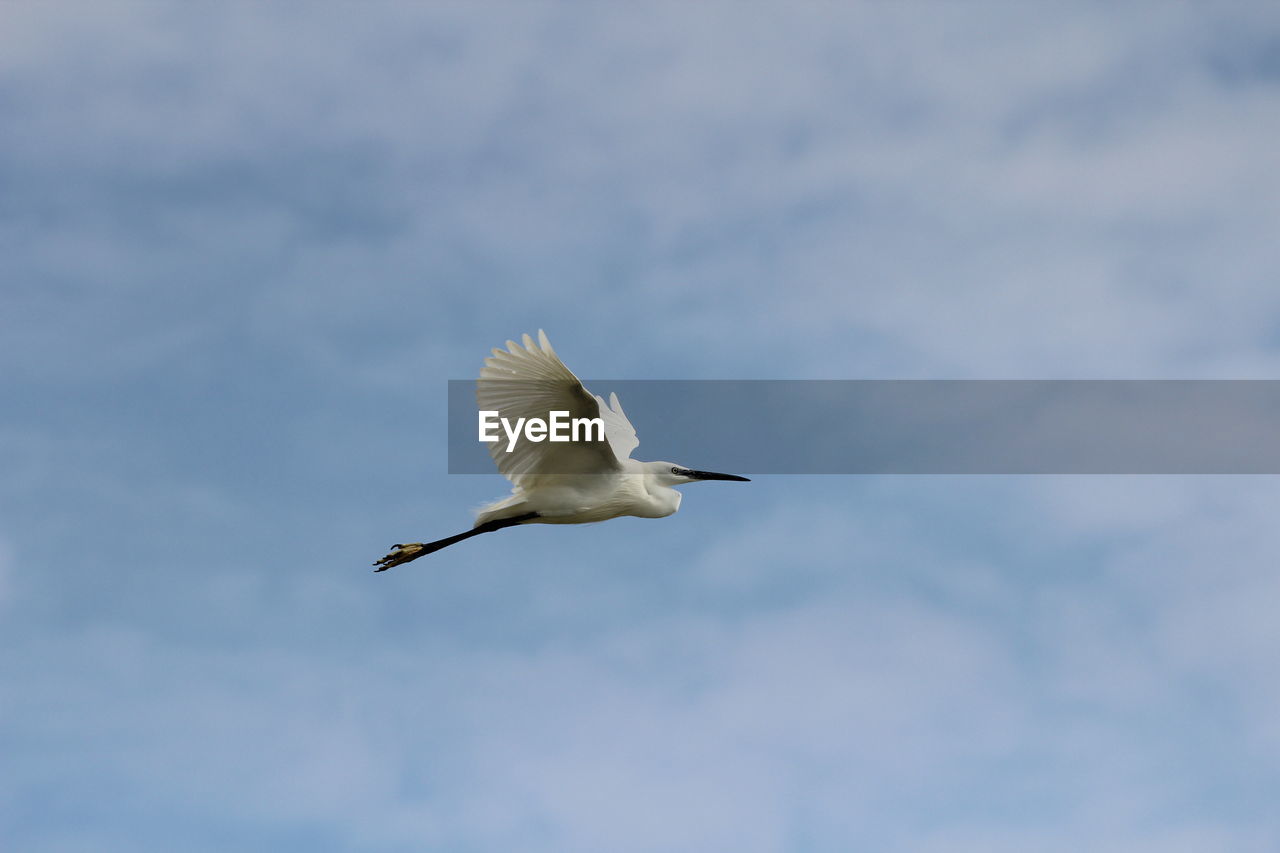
(243, 248)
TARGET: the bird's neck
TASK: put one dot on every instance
(662, 500)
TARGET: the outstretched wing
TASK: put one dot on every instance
(617, 428)
(530, 381)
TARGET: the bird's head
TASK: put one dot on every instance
(672, 474)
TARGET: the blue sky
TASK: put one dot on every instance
(244, 246)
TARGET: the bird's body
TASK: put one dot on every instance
(567, 482)
(582, 499)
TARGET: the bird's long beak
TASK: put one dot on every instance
(712, 475)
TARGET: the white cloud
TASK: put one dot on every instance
(903, 673)
(876, 180)
(354, 198)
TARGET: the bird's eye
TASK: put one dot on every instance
(676, 471)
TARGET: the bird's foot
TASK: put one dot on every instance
(401, 554)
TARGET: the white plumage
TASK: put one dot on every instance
(574, 482)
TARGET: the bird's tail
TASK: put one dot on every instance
(508, 507)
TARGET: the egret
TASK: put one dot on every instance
(565, 482)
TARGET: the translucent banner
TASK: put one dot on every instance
(925, 426)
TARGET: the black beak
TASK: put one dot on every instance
(712, 475)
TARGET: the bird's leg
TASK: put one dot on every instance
(412, 551)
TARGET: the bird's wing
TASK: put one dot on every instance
(530, 381)
(617, 428)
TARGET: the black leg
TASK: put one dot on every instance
(404, 553)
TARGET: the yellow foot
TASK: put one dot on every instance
(401, 554)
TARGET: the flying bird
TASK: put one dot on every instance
(592, 478)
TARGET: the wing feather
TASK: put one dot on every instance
(617, 427)
(530, 381)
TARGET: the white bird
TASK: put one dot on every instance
(574, 482)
